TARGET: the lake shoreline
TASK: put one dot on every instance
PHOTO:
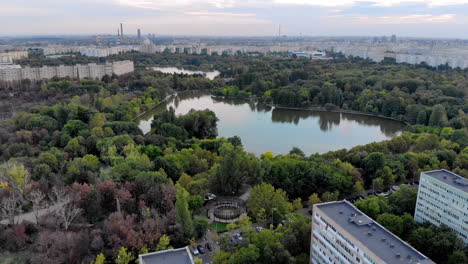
(344, 111)
(264, 129)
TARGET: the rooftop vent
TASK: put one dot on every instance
(384, 238)
(369, 233)
(445, 177)
(397, 255)
(374, 229)
(409, 256)
(392, 245)
(341, 212)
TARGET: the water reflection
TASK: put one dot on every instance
(328, 120)
(210, 75)
(263, 128)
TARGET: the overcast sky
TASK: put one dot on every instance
(418, 18)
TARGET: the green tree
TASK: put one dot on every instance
(373, 162)
(314, 199)
(373, 206)
(438, 116)
(228, 177)
(403, 200)
(200, 225)
(183, 216)
(297, 151)
(275, 202)
(100, 259)
(245, 255)
(163, 243)
(124, 257)
(297, 204)
(392, 222)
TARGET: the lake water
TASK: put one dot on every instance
(210, 75)
(263, 128)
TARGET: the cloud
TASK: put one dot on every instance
(383, 3)
(175, 5)
(400, 19)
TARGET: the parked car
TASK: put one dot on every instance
(238, 237)
(195, 251)
(395, 187)
(233, 240)
(259, 228)
(209, 246)
(201, 249)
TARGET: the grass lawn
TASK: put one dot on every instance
(220, 228)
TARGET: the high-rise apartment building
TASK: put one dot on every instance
(443, 199)
(14, 73)
(341, 234)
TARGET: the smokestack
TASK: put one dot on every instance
(121, 30)
(139, 33)
(118, 32)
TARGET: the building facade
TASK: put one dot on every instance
(341, 234)
(443, 199)
(13, 73)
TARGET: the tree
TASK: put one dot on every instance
(66, 209)
(297, 151)
(15, 175)
(275, 202)
(457, 257)
(37, 198)
(228, 177)
(200, 225)
(373, 162)
(403, 200)
(314, 199)
(358, 189)
(297, 204)
(373, 206)
(124, 257)
(392, 222)
(163, 243)
(100, 259)
(183, 216)
(10, 206)
(245, 255)
(438, 116)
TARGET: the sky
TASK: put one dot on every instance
(412, 18)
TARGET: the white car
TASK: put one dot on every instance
(195, 251)
(259, 228)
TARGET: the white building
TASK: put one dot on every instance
(343, 234)
(443, 199)
(11, 73)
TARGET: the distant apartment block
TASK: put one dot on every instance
(90, 51)
(343, 234)
(443, 199)
(12, 73)
(8, 57)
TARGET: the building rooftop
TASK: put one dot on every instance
(170, 256)
(449, 178)
(376, 238)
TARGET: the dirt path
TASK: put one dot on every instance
(30, 216)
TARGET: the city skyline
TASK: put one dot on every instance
(415, 18)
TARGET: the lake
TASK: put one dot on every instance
(263, 128)
(210, 75)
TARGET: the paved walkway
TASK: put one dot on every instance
(30, 216)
